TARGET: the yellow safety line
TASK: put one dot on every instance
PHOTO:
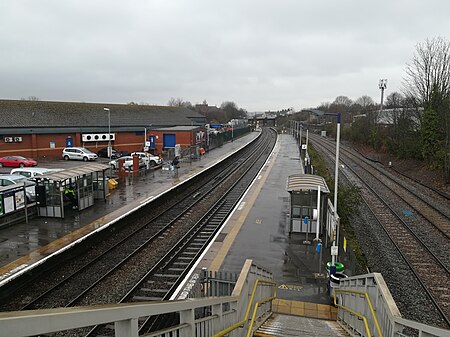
(366, 295)
(241, 323)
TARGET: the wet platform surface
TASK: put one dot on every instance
(24, 244)
(258, 229)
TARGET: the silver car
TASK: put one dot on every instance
(78, 153)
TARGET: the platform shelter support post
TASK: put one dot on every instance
(318, 214)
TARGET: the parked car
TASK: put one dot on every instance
(148, 158)
(13, 179)
(127, 164)
(30, 172)
(104, 153)
(17, 161)
(78, 153)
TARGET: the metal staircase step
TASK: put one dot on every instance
(290, 326)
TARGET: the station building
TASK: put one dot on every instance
(42, 129)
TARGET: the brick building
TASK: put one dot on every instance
(42, 129)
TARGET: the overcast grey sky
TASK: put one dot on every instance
(260, 54)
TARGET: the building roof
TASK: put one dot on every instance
(176, 128)
(302, 182)
(23, 113)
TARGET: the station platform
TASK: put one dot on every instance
(24, 244)
(258, 228)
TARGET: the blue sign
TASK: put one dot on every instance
(69, 142)
(152, 141)
(318, 247)
(305, 220)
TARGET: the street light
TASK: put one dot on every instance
(109, 140)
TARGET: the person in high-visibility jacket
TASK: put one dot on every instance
(69, 193)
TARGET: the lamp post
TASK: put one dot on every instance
(109, 140)
(336, 177)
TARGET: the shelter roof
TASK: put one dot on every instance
(302, 182)
(73, 173)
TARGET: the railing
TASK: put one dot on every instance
(366, 308)
(241, 324)
(219, 313)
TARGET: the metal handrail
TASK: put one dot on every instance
(366, 295)
(241, 323)
(252, 321)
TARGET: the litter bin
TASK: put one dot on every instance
(334, 282)
(339, 267)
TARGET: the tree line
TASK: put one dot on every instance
(228, 110)
(413, 123)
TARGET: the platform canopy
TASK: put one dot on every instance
(73, 172)
(304, 182)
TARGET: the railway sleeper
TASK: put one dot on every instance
(198, 243)
(191, 250)
(173, 269)
(186, 258)
(181, 264)
(170, 276)
(151, 283)
(155, 292)
(146, 298)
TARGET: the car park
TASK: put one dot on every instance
(148, 158)
(127, 163)
(78, 153)
(104, 153)
(30, 172)
(13, 179)
(17, 161)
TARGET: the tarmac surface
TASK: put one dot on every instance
(258, 228)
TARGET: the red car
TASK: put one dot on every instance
(16, 161)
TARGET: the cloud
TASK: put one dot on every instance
(260, 54)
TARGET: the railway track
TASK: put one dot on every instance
(148, 261)
(422, 239)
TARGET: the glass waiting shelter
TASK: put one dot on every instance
(303, 190)
(88, 181)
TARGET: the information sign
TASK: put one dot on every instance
(334, 250)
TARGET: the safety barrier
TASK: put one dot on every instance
(220, 313)
(366, 308)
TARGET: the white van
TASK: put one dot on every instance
(30, 172)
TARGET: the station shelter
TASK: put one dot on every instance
(89, 183)
(305, 192)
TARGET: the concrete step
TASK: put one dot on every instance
(287, 326)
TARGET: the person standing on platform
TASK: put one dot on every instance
(69, 193)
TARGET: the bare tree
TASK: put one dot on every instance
(428, 80)
(179, 103)
(366, 102)
(428, 75)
